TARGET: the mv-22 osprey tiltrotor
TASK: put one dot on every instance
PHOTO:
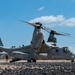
(38, 49)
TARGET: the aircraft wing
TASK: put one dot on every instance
(20, 55)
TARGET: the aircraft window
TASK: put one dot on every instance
(70, 53)
(66, 50)
(57, 50)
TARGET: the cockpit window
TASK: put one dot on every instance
(65, 50)
(57, 50)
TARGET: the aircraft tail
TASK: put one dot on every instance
(1, 43)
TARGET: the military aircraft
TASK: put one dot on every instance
(38, 49)
(3, 54)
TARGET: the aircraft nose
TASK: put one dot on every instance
(73, 55)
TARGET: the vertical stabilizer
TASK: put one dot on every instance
(1, 44)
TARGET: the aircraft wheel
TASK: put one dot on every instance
(11, 61)
(28, 61)
(72, 60)
(14, 60)
(34, 60)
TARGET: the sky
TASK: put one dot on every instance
(54, 14)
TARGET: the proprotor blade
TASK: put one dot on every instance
(62, 34)
(54, 32)
(45, 28)
(33, 24)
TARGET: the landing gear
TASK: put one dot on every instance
(13, 60)
(31, 60)
(72, 60)
(28, 61)
(34, 60)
